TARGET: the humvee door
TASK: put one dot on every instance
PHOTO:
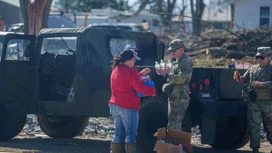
(76, 81)
(16, 70)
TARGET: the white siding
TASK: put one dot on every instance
(247, 13)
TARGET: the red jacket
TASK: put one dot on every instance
(125, 81)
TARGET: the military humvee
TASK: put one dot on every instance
(63, 76)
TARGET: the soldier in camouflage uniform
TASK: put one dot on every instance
(177, 88)
(258, 77)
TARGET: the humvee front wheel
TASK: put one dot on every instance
(62, 126)
(231, 133)
(10, 124)
(152, 115)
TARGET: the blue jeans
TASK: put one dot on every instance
(125, 123)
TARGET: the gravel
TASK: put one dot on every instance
(103, 128)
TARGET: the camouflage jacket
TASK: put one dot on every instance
(262, 74)
(180, 77)
(256, 73)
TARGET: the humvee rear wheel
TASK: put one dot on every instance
(62, 126)
(10, 124)
(152, 115)
(231, 133)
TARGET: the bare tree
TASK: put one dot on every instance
(35, 15)
(197, 10)
(183, 8)
(164, 8)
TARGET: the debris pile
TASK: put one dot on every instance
(103, 128)
(220, 43)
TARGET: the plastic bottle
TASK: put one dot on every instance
(147, 80)
(169, 64)
(162, 63)
(157, 65)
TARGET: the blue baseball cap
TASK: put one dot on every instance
(129, 53)
(132, 47)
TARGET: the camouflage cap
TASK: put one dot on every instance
(263, 51)
(175, 44)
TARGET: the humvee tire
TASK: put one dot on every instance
(231, 133)
(10, 124)
(152, 115)
(62, 126)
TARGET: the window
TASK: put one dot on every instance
(118, 45)
(17, 49)
(1, 48)
(264, 16)
(155, 22)
(59, 45)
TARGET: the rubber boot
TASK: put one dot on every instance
(255, 150)
(130, 148)
(116, 147)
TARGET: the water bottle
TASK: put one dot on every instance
(162, 64)
(157, 65)
(169, 64)
(147, 81)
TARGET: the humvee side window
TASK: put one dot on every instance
(59, 45)
(118, 45)
(1, 48)
(17, 49)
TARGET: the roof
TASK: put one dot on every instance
(61, 31)
(12, 2)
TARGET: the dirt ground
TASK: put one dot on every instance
(44, 144)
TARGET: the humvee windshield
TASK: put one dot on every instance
(59, 45)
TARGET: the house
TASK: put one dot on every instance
(111, 16)
(219, 17)
(250, 14)
(10, 11)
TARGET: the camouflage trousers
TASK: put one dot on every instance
(176, 112)
(259, 111)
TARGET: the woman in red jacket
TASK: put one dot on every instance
(124, 104)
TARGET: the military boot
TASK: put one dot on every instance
(116, 147)
(130, 148)
(255, 150)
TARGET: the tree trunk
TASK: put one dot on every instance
(23, 6)
(35, 15)
(184, 6)
(232, 17)
(197, 12)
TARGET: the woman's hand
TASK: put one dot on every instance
(145, 71)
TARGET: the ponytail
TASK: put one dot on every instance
(116, 61)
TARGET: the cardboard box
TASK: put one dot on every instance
(163, 147)
(175, 136)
